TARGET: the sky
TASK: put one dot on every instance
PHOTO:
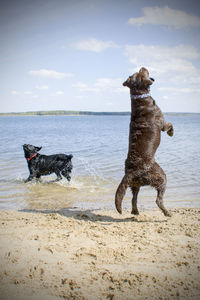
(75, 54)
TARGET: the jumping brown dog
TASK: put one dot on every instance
(147, 122)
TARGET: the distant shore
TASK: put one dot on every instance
(78, 113)
(72, 254)
(64, 113)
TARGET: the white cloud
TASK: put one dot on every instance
(49, 74)
(24, 94)
(175, 69)
(179, 90)
(160, 59)
(59, 93)
(14, 92)
(166, 16)
(80, 97)
(94, 45)
(42, 87)
(83, 87)
(111, 85)
(104, 83)
(110, 104)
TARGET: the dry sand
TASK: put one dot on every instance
(99, 255)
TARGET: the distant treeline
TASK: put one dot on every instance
(77, 113)
(64, 113)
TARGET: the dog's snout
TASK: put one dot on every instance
(152, 79)
(126, 82)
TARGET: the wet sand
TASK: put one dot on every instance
(98, 254)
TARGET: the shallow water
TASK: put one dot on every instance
(99, 146)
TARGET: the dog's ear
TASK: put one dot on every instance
(144, 72)
(131, 81)
(148, 81)
(144, 75)
(38, 148)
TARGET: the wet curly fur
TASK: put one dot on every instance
(147, 122)
(40, 164)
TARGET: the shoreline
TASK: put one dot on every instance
(99, 254)
(81, 113)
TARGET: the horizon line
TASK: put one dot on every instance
(78, 113)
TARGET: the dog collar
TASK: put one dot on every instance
(31, 157)
(140, 96)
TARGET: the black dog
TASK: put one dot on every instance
(39, 164)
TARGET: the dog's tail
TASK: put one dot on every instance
(121, 190)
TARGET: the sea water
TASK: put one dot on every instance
(99, 146)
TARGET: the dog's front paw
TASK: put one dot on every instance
(68, 178)
(28, 179)
(170, 132)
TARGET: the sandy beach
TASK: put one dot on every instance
(73, 254)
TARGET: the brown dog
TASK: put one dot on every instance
(146, 124)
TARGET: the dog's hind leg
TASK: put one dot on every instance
(38, 176)
(159, 201)
(158, 181)
(135, 191)
(121, 190)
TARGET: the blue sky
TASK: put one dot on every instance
(75, 55)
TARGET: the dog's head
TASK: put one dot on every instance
(139, 82)
(29, 150)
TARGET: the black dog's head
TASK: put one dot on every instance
(139, 82)
(29, 150)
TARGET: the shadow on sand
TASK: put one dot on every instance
(92, 216)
